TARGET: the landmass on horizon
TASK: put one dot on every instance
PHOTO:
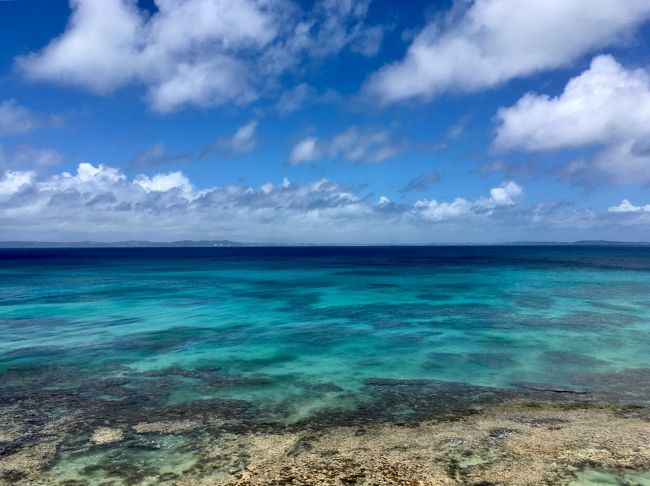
(228, 243)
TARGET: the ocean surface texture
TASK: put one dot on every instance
(272, 337)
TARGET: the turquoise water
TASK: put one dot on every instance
(299, 330)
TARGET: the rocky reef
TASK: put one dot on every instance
(124, 430)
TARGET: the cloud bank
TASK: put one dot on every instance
(100, 202)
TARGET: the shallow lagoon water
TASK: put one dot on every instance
(287, 335)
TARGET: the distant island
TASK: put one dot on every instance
(229, 243)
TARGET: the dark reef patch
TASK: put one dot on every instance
(567, 358)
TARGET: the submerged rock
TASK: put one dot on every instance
(543, 387)
(107, 435)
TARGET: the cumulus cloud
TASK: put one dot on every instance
(492, 41)
(352, 145)
(504, 195)
(606, 103)
(99, 201)
(508, 194)
(14, 181)
(605, 106)
(627, 207)
(196, 52)
(164, 182)
(432, 210)
(16, 119)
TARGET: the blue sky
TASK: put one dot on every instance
(325, 121)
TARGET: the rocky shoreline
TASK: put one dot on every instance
(513, 443)
(406, 432)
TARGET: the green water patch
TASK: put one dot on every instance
(594, 477)
(153, 459)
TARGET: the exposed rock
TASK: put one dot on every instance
(107, 435)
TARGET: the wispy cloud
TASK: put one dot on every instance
(241, 142)
(16, 119)
(25, 156)
(422, 182)
(306, 150)
(303, 95)
(352, 145)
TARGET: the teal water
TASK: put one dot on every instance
(308, 327)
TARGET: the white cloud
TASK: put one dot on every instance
(433, 210)
(363, 146)
(164, 182)
(507, 194)
(99, 49)
(607, 105)
(504, 195)
(306, 150)
(89, 173)
(352, 145)
(14, 181)
(627, 207)
(242, 141)
(207, 83)
(493, 41)
(89, 178)
(196, 52)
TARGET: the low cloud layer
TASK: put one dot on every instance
(100, 201)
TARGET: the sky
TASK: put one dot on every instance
(325, 121)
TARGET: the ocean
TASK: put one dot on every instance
(267, 337)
